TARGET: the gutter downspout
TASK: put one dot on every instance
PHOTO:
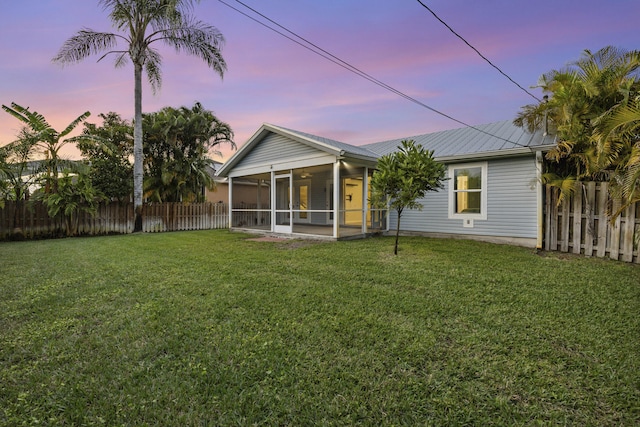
(336, 199)
(539, 200)
(230, 186)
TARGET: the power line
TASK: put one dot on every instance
(478, 52)
(330, 57)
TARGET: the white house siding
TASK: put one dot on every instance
(511, 205)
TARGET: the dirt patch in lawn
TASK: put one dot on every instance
(268, 239)
(286, 243)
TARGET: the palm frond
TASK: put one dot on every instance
(81, 118)
(153, 68)
(198, 39)
(84, 44)
(33, 119)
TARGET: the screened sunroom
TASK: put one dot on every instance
(287, 182)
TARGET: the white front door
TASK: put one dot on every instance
(282, 211)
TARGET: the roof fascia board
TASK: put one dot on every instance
(295, 163)
(486, 155)
(307, 141)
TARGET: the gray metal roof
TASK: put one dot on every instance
(347, 148)
(493, 138)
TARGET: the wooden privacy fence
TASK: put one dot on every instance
(31, 221)
(159, 217)
(580, 224)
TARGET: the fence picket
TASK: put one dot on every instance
(627, 241)
(582, 222)
(30, 219)
(577, 221)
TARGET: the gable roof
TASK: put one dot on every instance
(488, 140)
(341, 146)
(327, 145)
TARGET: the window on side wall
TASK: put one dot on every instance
(468, 191)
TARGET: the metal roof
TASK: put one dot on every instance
(500, 138)
(340, 146)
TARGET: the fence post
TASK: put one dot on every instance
(564, 238)
(614, 249)
(589, 226)
(577, 219)
(629, 226)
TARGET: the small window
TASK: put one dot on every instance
(468, 191)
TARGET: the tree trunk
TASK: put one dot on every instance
(395, 249)
(138, 153)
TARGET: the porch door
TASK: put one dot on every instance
(282, 222)
(301, 195)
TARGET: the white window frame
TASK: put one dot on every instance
(483, 191)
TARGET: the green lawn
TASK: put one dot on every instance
(209, 328)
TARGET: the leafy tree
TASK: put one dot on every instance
(178, 143)
(142, 24)
(592, 106)
(108, 149)
(17, 171)
(403, 177)
(75, 195)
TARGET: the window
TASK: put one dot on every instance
(468, 191)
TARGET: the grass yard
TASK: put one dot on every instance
(209, 328)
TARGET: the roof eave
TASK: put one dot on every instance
(307, 141)
(514, 152)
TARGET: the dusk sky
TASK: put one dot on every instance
(271, 79)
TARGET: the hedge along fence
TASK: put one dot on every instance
(30, 219)
(580, 224)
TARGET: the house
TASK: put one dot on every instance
(302, 182)
(220, 191)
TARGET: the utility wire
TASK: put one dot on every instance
(478, 52)
(330, 57)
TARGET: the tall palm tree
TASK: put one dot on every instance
(141, 25)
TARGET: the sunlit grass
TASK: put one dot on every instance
(202, 328)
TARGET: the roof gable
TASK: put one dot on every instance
(307, 140)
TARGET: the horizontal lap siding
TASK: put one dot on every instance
(275, 148)
(511, 205)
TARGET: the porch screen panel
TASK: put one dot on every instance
(313, 203)
(251, 202)
(283, 201)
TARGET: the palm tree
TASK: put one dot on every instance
(619, 136)
(38, 134)
(143, 23)
(593, 112)
(178, 143)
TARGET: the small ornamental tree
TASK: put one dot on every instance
(403, 177)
